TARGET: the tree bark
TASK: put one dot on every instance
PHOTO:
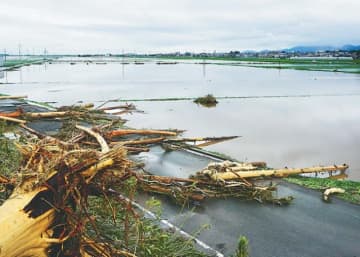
(274, 172)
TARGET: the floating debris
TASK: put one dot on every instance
(208, 101)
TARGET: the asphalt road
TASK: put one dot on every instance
(306, 228)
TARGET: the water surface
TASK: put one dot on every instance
(318, 124)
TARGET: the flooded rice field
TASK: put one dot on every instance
(285, 117)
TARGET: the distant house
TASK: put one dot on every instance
(318, 58)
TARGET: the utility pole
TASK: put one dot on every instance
(45, 53)
(20, 51)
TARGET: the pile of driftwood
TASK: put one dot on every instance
(47, 209)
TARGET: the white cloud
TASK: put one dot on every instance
(163, 25)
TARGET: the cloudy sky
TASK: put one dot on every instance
(90, 26)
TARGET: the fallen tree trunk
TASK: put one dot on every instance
(140, 141)
(233, 175)
(23, 235)
(47, 206)
(12, 97)
(123, 132)
(12, 120)
(39, 115)
(14, 114)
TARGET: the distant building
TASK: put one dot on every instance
(315, 58)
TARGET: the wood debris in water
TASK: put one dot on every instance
(48, 213)
(227, 170)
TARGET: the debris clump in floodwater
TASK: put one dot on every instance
(207, 101)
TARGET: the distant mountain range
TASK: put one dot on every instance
(307, 49)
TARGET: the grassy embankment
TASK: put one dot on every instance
(348, 66)
(352, 188)
(14, 64)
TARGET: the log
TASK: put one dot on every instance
(12, 120)
(36, 115)
(329, 191)
(140, 142)
(123, 132)
(274, 172)
(12, 97)
(14, 114)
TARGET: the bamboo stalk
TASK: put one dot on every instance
(274, 172)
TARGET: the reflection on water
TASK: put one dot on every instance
(94, 83)
(289, 132)
(292, 132)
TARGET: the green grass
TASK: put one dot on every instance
(10, 158)
(347, 66)
(142, 236)
(9, 155)
(260, 59)
(352, 188)
(18, 63)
